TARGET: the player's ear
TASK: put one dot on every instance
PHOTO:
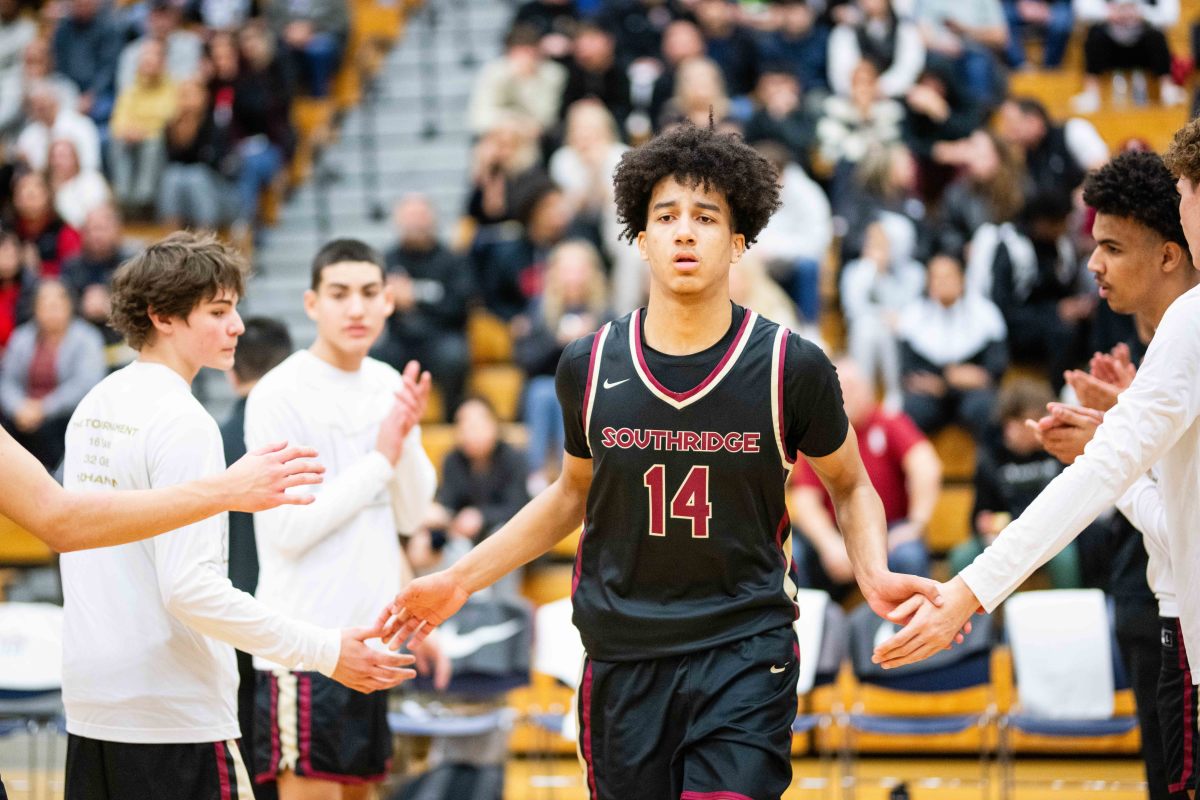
(310, 304)
(641, 246)
(161, 323)
(739, 247)
(389, 299)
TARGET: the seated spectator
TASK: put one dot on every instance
(965, 37)
(780, 116)
(728, 44)
(851, 126)
(875, 290)
(49, 365)
(986, 192)
(906, 473)
(593, 72)
(1057, 157)
(49, 240)
(699, 94)
(1040, 284)
(252, 111)
(510, 270)
(87, 43)
(16, 32)
(751, 286)
(1011, 469)
(573, 304)
(192, 187)
(1053, 19)
(875, 34)
(583, 167)
(521, 81)
(1127, 35)
(506, 163)
(184, 48)
(50, 121)
(482, 486)
(798, 43)
(36, 66)
(17, 287)
(883, 183)
(952, 352)
(795, 242)
(681, 41)
(939, 108)
(431, 286)
(76, 191)
(88, 274)
(314, 35)
(136, 152)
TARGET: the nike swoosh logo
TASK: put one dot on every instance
(456, 645)
(777, 670)
(608, 385)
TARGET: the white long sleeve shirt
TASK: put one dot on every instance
(1142, 506)
(336, 561)
(141, 660)
(1153, 423)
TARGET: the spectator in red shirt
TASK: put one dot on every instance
(17, 286)
(40, 227)
(905, 471)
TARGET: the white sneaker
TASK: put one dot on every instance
(1171, 94)
(1087, 102)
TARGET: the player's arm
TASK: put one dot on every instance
(1142, 505)
(544, 521)
(191, 572)
(1148, 419)
(68, 521)
(861, 519)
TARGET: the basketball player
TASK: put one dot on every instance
(339, 559)
(150, 698)
(683, 421)
(68, 521)
(1153, 424)
(1142, 264)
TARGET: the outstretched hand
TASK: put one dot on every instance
(367, 670)
(419, 608)
(928, 628)
(259, 480)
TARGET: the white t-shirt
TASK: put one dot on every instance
(1142, 506)
(336, 561)
(138, 663)
(1154, 423)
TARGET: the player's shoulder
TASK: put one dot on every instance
(1183, 313)
(804, 355)
(380, 373)
(281, 379)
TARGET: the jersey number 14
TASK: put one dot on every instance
(690, 501)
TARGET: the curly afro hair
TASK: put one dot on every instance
(1138, 186)
(697, 156)
(1183, 156)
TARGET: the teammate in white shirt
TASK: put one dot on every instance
(1154, 424)
(150, 698)
(339, 559)
(68, 521)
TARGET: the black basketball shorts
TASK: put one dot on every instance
(1177, 710)
(100, 770)
(711, 725)
(317, 728)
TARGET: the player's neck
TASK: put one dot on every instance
(1171, 289)
(162, 353)
(677, 326)
(347, 362)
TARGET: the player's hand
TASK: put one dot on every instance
(406, 412)
(1115, 367)
(1091, 391)
(366, 670)
(432, 660)
(258, 480)
(930, 627)
(417, 386)
(885, 591)
(1066, 431)
(419, 608)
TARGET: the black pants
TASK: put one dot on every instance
(1141, 651)
(99, 770)
(1102, 53)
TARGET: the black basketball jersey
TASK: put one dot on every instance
(686, 540)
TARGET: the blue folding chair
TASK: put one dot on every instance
(949, 693)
